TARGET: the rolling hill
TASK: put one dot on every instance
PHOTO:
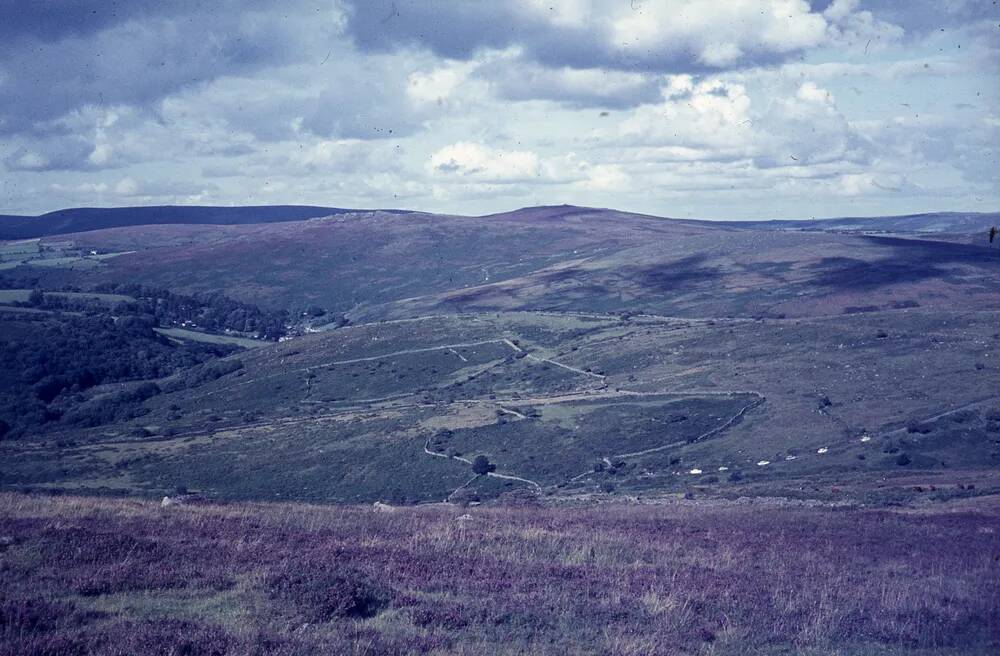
(375, 265)
(83, 219)
(577, 349)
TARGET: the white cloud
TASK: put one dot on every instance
(477, 106)
(101, 154)
(465, 162)
(850, 27)
(476, 161)
(812, 93)
(716, 119)
(606, 177)
(126, 187)
(707, 116)
(438, 85)
(718, 34)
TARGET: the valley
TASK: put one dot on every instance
(567, 403)
(541, 389)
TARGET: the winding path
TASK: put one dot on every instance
(507, 477)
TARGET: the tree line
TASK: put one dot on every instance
(49, 365)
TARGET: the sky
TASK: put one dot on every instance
(716, 109)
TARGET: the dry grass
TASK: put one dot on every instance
(82, 575)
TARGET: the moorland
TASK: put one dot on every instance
(726, 436)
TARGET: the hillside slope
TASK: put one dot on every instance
(577, 349)
(84, 219)
(375, 265)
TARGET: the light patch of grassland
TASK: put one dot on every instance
(195, 336)
(237, 609)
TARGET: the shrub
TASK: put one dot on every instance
(607, 487)
(481, 465)
(323, 595)
(903, 459)
(464, 497)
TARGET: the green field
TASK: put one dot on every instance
(38, 254)
(18, 250)
(209, 338)
(22, 295)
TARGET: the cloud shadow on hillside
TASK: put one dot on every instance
(686, 273)
(906, 261)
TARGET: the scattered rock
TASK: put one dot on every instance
(378, 506)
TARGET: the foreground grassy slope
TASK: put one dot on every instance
(82, 576)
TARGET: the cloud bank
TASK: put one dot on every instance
(742, 109)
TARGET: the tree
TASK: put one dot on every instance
(481, 465)
(993, 233)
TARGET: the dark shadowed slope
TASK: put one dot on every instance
(755, 273)
(931, 222)
(84, 219)
(346, 262)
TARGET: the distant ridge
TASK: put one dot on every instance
(85, 219)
